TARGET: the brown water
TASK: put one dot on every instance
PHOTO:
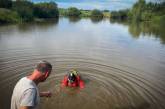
(123, 65)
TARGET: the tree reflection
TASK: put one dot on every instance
(148, 29)
(96, 19)
(42, 24)
(74, 19)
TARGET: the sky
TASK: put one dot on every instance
(93, 4)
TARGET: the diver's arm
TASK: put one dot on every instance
(80, 82)
(64, 81)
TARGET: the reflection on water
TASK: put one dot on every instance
(41, 25)
(121, 63)
(74, 19)
(149, 29)
(96, 19)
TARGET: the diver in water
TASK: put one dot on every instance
(72, 80)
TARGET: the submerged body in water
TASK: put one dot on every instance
(72, 80)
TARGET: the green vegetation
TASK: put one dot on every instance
(142, 11)
(24, 11)
(46, 10)
(72, 11)
(96, 13)
(85, 13)
(8, 16)
(120, 15)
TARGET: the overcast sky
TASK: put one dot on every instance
(94, 4)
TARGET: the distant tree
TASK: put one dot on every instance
(121, 14)
(142, 11)
(5, 3)
(46, 10)
(62, 11)
(96, 13)
(72, 11)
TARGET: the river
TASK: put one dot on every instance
(122, 64)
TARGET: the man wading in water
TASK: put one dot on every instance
(26, 94)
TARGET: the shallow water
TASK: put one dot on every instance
(122, 64)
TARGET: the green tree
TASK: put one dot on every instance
(62, 11)
(96, 13)
(46, 10)
(24, 9)
(72, 11)
(138, 8)
(121, 15)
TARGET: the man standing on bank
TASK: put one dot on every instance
(26, 94)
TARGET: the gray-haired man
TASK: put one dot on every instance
(26, 94)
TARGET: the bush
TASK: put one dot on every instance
(96, 13)
(46, 10)
(7, 16)
(72, 11)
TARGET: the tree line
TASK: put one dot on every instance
(24, 11)
(142, 11)
(72, 11)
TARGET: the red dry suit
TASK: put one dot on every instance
(76, 83)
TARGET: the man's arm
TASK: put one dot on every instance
(26, 107)
(28, 99)
(45, 94)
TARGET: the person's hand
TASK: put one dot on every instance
(46, 94)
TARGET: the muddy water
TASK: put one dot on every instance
(123, 67)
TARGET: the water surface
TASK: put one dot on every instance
(122, 64)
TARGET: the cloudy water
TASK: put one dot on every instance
(122, 64)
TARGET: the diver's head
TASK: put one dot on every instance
(71, 77)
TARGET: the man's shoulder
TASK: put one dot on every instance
(26, 83)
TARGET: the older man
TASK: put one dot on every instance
(26, 94)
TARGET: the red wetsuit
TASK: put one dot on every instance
(76, 83)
